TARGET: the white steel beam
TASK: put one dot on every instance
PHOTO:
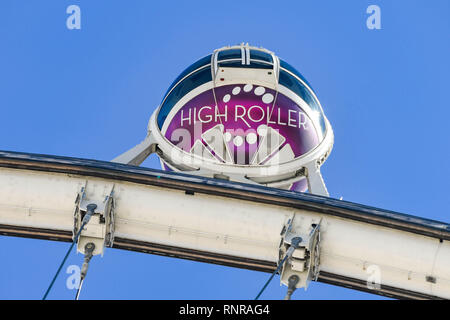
(171, 215)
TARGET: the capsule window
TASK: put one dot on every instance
(229, 54)
(291, 69)
(190, 83)
(303, 92)
(196, 65)
(260, 55)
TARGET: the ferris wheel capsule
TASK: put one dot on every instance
(243, 114)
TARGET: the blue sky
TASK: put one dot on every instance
(89, 93)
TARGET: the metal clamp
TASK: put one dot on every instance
(303, 259)
(100, 228)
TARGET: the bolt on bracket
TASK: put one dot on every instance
(304, 261)
(100, 229)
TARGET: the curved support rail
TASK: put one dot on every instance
(164, 213)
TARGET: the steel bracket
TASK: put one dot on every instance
(305, 260)
(100, 229)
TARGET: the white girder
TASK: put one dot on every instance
(227, 226)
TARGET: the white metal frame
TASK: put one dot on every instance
(230, 227)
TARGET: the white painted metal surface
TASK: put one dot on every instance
(222, 225)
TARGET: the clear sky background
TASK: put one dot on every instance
(89, 93)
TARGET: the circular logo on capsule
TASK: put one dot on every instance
(242, 124)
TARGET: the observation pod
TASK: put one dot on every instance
(242, 114)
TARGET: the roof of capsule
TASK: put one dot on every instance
(230, 56)
(200, 72)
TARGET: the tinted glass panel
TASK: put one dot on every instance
(229, 54)
(198, 64)
(290, 68)
(260, 55)
(297, 87)
(193, 81)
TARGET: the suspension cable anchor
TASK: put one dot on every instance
(99, 228)
(302, 259)
(292, 286)
(89, 250)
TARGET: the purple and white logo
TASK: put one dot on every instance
(244, 125)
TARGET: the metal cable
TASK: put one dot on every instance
(79, 289)
(90, 211)
(294, 245)
(88, 254)
(271, 277)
